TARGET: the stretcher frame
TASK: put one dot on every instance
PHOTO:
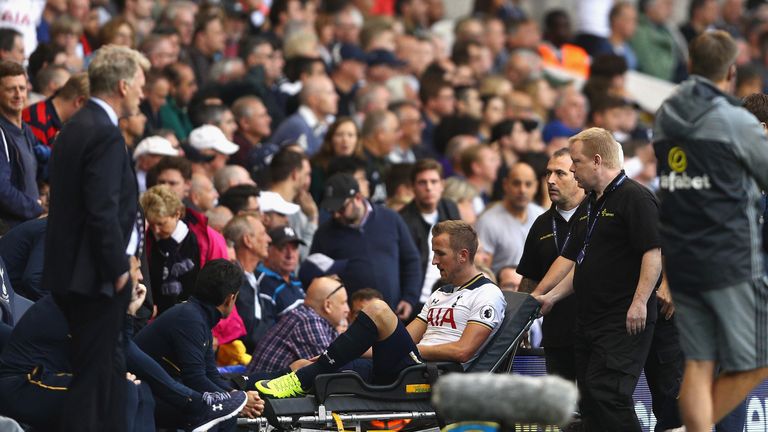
(342, 400)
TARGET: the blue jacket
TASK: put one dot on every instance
(23, 250)
(274, 289)
(382, 255)
(292, 129)
(18, 169)
(39, 340)
(180, 340)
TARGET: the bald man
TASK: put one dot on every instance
(503, 228)
(202, 195)
(305, 331)
(319, 102)
(231, 175)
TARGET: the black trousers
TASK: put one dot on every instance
(98, 389)
(39, 399)
(664, 373)
(561, 361)
(608, 365)
(36, 400)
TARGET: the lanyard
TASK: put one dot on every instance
(591, 226)
(554, 234)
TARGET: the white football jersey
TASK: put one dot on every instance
(450, 309)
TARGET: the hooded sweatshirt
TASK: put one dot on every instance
(712, 159)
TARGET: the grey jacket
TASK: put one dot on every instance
(712, 156)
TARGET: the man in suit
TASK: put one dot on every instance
(93, 228)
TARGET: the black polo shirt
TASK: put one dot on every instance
(606, 279)
(539, 253)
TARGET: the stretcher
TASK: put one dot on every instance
(343, 400)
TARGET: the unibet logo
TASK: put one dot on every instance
(677, 159)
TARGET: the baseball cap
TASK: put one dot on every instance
(210, 137)
(347, 51)
(284, 234)
(338, 189)
(384, 57)
(155, 145)
(317, 265)
(273, 202)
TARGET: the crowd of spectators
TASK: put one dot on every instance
(302, 139)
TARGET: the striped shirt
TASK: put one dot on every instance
(43, 120)
(299, 334)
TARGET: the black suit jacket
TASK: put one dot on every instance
(93, 206)
(419, 229)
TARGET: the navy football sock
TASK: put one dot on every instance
(351, 344)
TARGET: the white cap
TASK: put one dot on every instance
(210, 137)
(155, 145)
(273, 202)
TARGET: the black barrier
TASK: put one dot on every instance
(532, 363)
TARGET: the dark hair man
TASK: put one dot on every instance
(208, 41)
(18, 164)
(173, 115)
(12, 46)
(241, 199)
(438, 101)
(291, 175)
(427, 208)
(543, 245)
(757, 104)
(391, 266)
(180, 338)
(613, 263)
(442, 331)
(712, 156)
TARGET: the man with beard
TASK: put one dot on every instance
(375, 240)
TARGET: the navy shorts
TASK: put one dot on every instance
(393, 354)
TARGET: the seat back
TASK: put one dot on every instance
(521, 310)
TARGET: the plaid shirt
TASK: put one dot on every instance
(299, 334)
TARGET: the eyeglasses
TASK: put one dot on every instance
(334, 291)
